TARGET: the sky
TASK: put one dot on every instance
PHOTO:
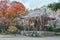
(30, 4)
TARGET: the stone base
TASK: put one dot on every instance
(37, 33)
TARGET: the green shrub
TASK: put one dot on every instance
(58, 30)
(51, 29)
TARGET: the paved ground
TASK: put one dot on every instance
(18, 37)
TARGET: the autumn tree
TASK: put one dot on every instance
(15, 9)
(3, 6)
(11, 11)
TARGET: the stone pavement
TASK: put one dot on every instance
(32, 38)
(18, 37)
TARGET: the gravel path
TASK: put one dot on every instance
(19, 37)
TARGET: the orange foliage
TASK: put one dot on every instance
(3, 7)
(18, 6)
(12, 29)
(1, 11)
(5, 20)
(13, 10)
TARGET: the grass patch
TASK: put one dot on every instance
(58, 33)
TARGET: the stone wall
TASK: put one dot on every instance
(37, 33)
